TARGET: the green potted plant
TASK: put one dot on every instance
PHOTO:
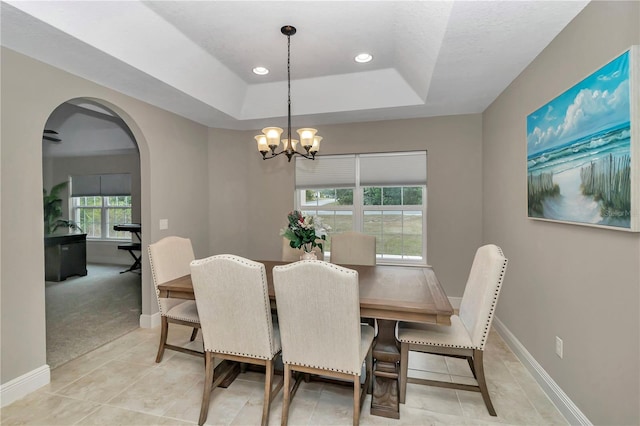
(52, 204)
(305, 232)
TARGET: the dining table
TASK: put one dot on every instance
(388, 294)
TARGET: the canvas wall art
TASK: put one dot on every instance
(582, 154)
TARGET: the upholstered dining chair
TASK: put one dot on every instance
(467, 335)
(319, 317)
(353, 248)
(290, 254)
(170, 258)
(233, 302)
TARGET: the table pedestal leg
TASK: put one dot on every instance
(233, 369)
(384, 401)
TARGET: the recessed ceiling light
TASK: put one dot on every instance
(260, 71)
(363, 58)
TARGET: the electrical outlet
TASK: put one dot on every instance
(559, 347)
(164, 223)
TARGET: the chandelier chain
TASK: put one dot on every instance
(289, 89)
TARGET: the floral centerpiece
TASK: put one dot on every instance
(305, 231)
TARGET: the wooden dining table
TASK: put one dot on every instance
(388, 293)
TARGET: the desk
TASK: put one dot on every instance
(387, 293)
(134, 228)
(64, 256)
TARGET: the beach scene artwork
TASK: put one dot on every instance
(579, 151)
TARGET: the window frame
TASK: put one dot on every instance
(400, 208)
(105, 227)
(358, 210)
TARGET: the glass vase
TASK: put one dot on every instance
(309, 255)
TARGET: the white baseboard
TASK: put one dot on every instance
(21, 386)
(568, 409)
(150, 321)
(110, 260)
(455, 302)
(32, 381)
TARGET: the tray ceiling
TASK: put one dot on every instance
(195, 58)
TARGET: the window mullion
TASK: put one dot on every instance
(358, 197)
(424, 223)
(103, 218)
(402, 234)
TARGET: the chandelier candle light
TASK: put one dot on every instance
(269, 141)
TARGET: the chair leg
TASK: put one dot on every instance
(367, 386)
(164, 330)
(194, 333)
(404, 369)
(473, 369)
(266, 405)
(482, 384)
(208, 382)
(286, 395)
(356, 400)
(369, 371)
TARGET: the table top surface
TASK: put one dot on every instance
(407, 293)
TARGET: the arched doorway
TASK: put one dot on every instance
(86, 141)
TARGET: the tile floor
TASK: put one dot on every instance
(120, 384)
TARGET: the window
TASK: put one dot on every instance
(100, 201)
(333, 206)
(379, 194)
(96, 215)
(394, 215)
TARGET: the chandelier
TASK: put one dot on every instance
(269, 140)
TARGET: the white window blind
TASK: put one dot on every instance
(329, 171)
(115, 184)
(393, 169)
(101, 185)
(85, 186)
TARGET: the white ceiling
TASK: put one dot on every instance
(194, 58)
(86, 129)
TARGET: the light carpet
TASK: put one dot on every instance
(84, 313)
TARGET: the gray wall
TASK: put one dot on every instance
(576, 282)
(231, 221)
(174, 186)
(247, 215)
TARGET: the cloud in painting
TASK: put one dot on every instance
(549, 115)
(591, 109)
(613, 75)
(589, 112)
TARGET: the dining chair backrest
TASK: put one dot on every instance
(290, 254)
(353, 248)
(319, 315)
(233, 304)
(169, 258)
(481, 293)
